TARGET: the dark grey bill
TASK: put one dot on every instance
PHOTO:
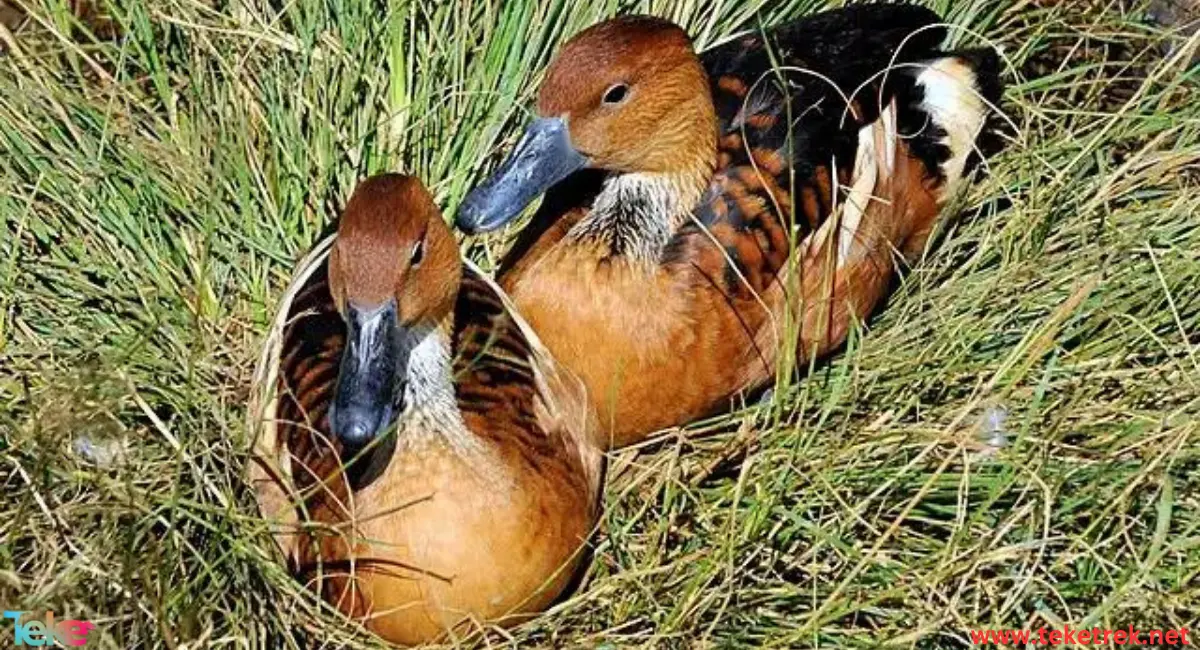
(368, 390)
(543, 157)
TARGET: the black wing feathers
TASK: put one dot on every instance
(313, 341)
(787, 135)
(493, 369)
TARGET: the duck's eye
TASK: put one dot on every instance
(418, 253)
(616, 94)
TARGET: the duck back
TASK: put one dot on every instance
(792, 105)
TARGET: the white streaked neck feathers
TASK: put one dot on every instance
(636, 214)
(632, 215)
(431, 410)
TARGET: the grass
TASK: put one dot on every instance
(1014, 443)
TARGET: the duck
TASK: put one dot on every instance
(434, 467)
(709, 219)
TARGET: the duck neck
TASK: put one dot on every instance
(637, 213)
(426, 372)
(430, 406)
(432, 418)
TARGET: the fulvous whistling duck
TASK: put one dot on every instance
(660, 265)
(442, 466)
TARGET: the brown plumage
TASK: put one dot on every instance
(89, 14)
(722, 199)
(473, 503)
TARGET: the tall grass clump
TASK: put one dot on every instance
(1013, 443)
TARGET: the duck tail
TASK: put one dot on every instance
(948, 113)
(987, 66)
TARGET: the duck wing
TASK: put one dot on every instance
(811, 67)
(791, 104)
(493, 359)
(310, 356)
(513, 394)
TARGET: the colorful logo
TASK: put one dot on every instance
(47, 632)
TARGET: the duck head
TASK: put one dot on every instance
(628, 95)
(394, 273)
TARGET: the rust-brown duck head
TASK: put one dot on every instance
(394, 273)
(627, 95)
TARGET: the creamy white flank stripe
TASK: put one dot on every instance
(953, 101)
